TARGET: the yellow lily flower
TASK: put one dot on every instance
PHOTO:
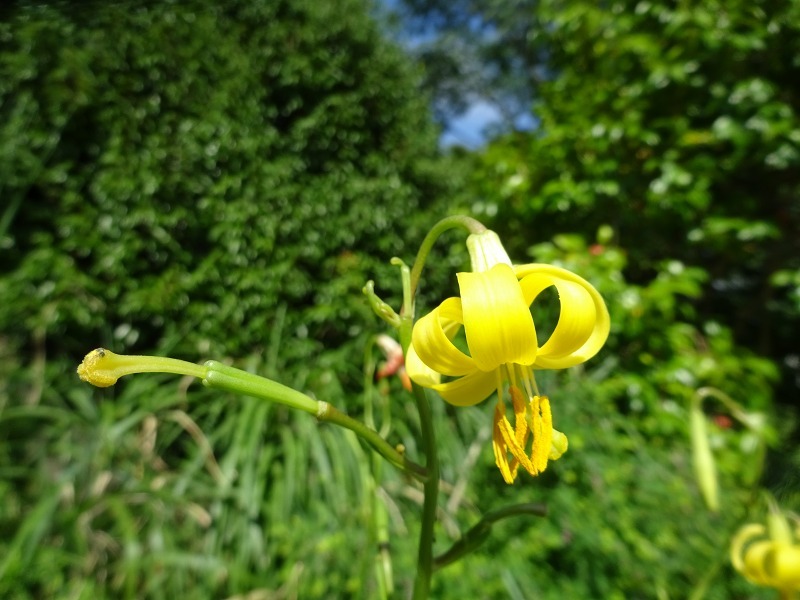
(494, 310)
(769, 556)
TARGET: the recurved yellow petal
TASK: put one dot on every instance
(784, 566)
(741, 540)
(468, 390)
(431, 339)
(497, 322)
(583, 323)
(755, 562)
(418, 371)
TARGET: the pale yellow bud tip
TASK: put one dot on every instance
(558, 445)
(94, 368)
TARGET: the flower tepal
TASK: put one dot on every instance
(493, 308)
(769, 556)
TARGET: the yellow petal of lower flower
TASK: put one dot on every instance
(497, 322)
(583, 324)
(419, 372)
(784, 566)
(744, 536)
(431, 339)
(468, 390)
(754, 562)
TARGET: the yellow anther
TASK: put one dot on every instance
(543, 435)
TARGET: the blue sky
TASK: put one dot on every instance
(481, 120)
(469, 129)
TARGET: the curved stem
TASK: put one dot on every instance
(332, 415)
(538, 510)
(422, 583)
(478, 533)
(235, 380)
(468, 223)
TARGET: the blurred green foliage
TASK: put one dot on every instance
(677, 126)
(220, 180)
(159, 185)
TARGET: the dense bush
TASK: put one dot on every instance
(179, 174)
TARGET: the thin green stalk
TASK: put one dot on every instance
(422, 584)
(102, 368)
(332, 415)
(477, 534)
(383, 558)
(236, 380)
(452, 222)
(380, 518)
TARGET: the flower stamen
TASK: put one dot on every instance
(532, 419)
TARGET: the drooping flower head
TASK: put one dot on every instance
(494, 310)
(769, 556)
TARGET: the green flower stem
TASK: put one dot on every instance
(379, 512)
(222, 376)
(235, 380)
(422, 583)
(754, 421)
(332, 415)
(471, 540)
(380, 515)
(465, 222)
(102, 368)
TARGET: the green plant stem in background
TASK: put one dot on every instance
(422, 582)
(408, 295)
(702, 457)
(383, 559)
(379, 514)
(471, 540)
(332, 415)
(379, 307)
